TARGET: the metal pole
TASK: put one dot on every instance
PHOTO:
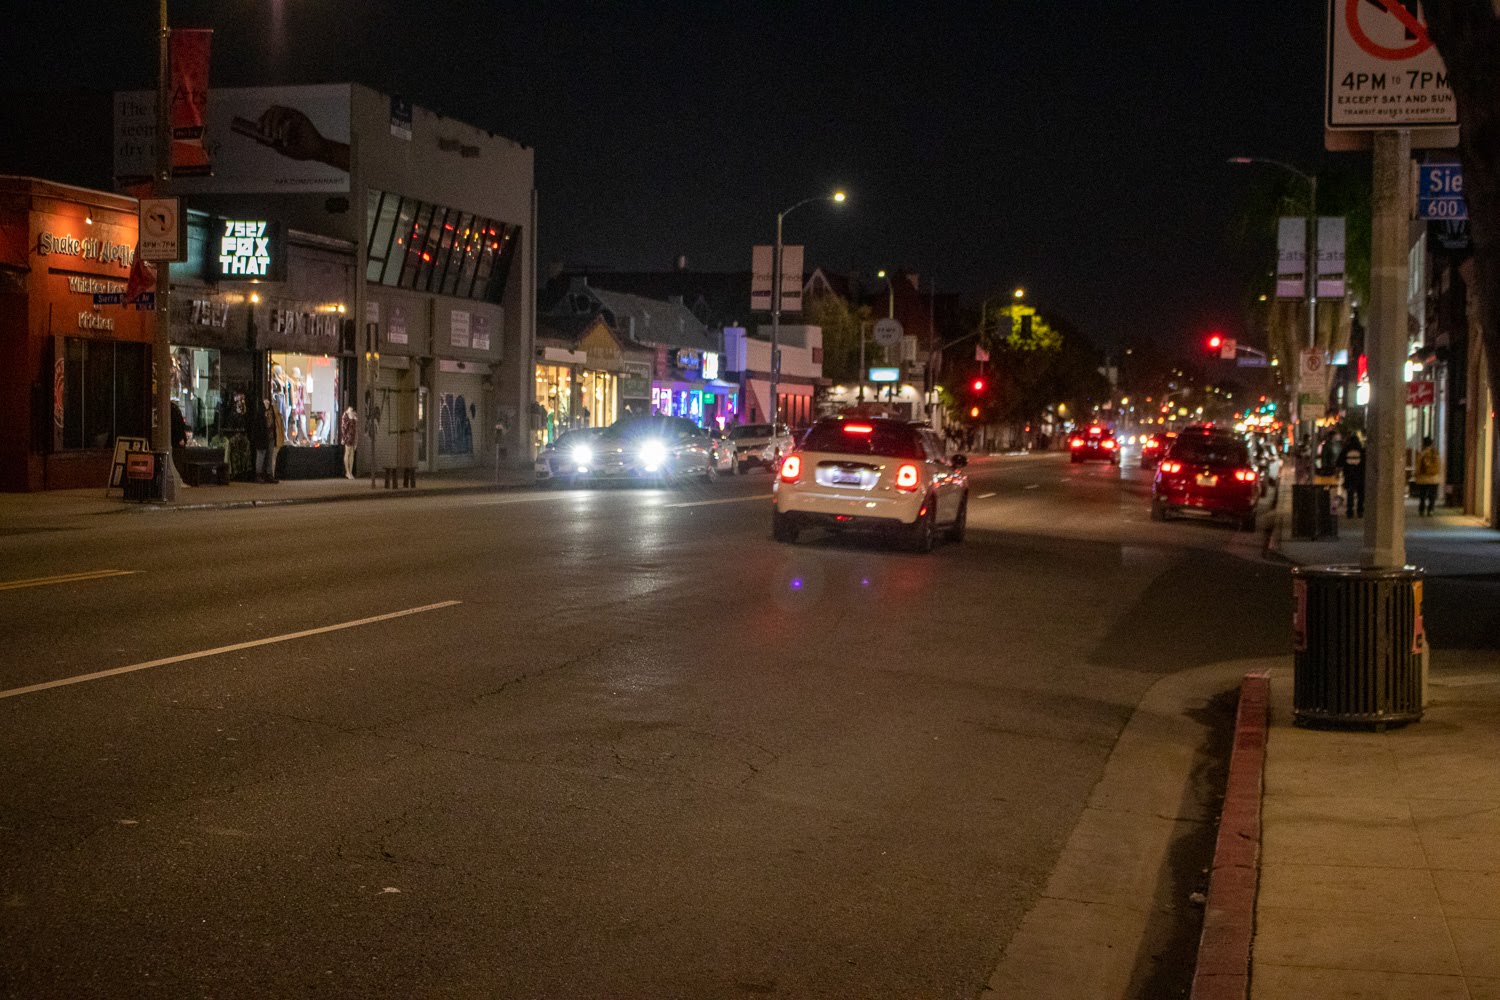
(861, 362)
(1385, 510)
(776, 321)
(161, 349)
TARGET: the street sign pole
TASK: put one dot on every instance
(1385, 511)
(161, 350)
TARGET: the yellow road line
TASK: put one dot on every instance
(287, 637)
(47, 581)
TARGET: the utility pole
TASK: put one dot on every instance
(161, 349)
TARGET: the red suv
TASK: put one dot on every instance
(1095, 442)
(1212, 473)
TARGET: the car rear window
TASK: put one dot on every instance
(1211, 451)
(751, 431)
(889, 440)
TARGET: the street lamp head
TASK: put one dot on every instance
(839, 196)
(1019, 293)
(880, 273)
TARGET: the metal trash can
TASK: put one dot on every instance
(144, 471)
(1312, 512)
(1360, 645)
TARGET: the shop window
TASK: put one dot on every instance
(198, 391)
(104, 392)
(455, 424)
(425, 247)
(305, 395)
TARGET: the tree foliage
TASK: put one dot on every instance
(841, 324)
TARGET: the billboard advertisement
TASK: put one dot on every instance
(260, 140)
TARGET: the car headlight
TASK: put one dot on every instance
(582, 454)
(653, 454)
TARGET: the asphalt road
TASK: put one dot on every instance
(621, 744)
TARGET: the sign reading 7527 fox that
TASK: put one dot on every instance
(1383, 70)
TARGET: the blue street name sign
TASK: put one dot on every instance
(1251, 361)
(1440, 191)
(108, 298)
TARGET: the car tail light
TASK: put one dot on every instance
(1109, 445)
(858, 429)
(791, 468)
(906, 478)
(1076, 443)
(1171, 467)
(1095, 431)
(1151, 445)
(1245, 475)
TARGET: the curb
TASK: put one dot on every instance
(1223, 967)
(391, 494)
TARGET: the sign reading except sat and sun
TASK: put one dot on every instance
(1383, 70)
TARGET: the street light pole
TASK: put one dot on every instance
(161, 350)
(837, 196)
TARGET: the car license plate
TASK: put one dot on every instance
(846, 478)
(1204, 479)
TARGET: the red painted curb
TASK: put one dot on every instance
(1223, 969)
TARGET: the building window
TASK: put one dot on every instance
(104, 392)
(429, 248)
(455, 428)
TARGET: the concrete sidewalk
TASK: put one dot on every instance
(1380, 863)
(16, 507)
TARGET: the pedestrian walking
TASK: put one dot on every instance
(349, 434)
(1427, 476)
(1352, 465)
(265, 438)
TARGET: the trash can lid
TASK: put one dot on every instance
(1353, 572)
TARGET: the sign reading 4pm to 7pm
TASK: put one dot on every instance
(1383, 70)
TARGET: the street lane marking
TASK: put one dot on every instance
(710, 503)
(181, 657)
(986, 496)
(1032, 486)
(46, 581)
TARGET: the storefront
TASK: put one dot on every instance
(75, 363)
(687, 384)
(582, 380)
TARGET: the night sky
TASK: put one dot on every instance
(1076, 148)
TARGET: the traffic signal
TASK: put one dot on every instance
(1224, 347)
(979, 384)
(1215, 341)
(974, 412)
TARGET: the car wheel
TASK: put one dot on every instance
(961, 522)
(1077, 459)
(783, 529)
(739, 468)
(1158, 510)
(921, 536)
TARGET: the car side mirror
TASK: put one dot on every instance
(959, 461)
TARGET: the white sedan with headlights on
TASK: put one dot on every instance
(872, 474)
(652, 449)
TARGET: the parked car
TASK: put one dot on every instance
(760, 444)
(722, 450)
(1211, 473)
(653, 449)
(569, 459)
(872, 474)
(1096, 443)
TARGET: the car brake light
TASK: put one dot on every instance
(1096, 431)
(1108, 445)
(906, 477)
(858, 429)
(1171, 467)
(791, 468)
(1245, 475)
(1076, 443)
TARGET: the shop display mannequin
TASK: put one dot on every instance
(281, 397)
(349, 434)
(297, 427)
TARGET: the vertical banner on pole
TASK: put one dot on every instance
(1291, 248)
(760, 279)
(189, 101)
(1330, 272)
(791, 279)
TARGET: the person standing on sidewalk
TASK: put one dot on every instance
(349, 434)
(265, 438)
(1427, 476)
(1352, 465)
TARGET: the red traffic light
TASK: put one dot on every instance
(1215, 341)
(979, 384)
